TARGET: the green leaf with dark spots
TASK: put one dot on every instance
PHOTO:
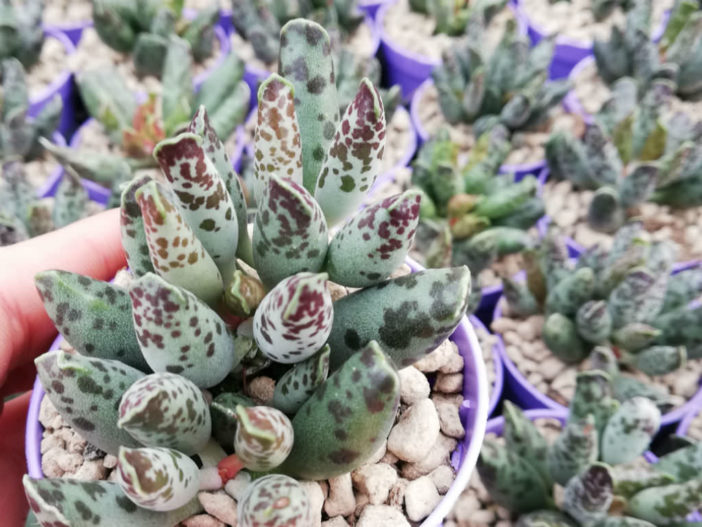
(134, 241)
(297, 384)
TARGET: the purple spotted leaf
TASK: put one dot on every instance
(93, 316)
(589, 495)
(166, 410)
(299, 383)
(354, 159)
(264, 437)
(180, 334)
(277, 148)
(132, 228)
(348, 417)
(63, 502)
(306, 61)
(375, 242)
(637, 298)
(215, 150)
(274, 500)
(86, 392)
(629, 431)
(294, 319)
(202, 196)
(408, 316)
(290, 233)
(159, 479)
(176, 253)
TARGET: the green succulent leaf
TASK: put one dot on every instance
(635, 336)
(683, 464)
(263, 438)
(136, 248)
(683, 287)
(94, 316)
(629, 431)
(593, 396)
(574, 449)
(524, 439)
(571, 292)
(638, 298)
(347, 418)
(86, 392)
(545, 518)
(298, 384)
(667, 504)
(166, 410)
(629, 480)
(588, 496)
(659, 360)
(561, 337)
(593, 322)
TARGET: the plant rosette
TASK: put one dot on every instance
(410, 47)
(536, 378)
(575, 26)
(527, 154)
(386, 485)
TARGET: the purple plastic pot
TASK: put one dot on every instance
(568, 51)
(525, 394)
(571, 102)
(62, 85)
(519, 171)
(686, 421)
(254, 76)
(73, 30)
(496, 389)
(370, 7)
(473, 413)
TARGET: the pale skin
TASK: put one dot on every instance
(91, 247)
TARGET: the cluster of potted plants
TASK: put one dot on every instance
(354, 231)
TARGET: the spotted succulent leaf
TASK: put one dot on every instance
(588, 496)
(524, 439)
(94, 316)
(631, 479)
(290, 234)
(264, 437)
(623, 521)
(176, 253)
(635, 336)
(545, 518)
(682, 327)
(299, 383)
(277, 148)
(571, 292)
(520, 299)
(603, 358)
(682, 464)
(371, 245)
(243, 294)
(345, 421)
(166, 410)
(158, 479)
(223, 413)
(511, 481)
(659, 360)
(683, 287)
(306, 61)
(274, 500)
(203, 198)
(593, 321)
(70, 201)
(59, 502)
(354, 158)
(561, 337)
(294, 319)
(180, 334)
(215, 150)
(630, 430)
(638, 298)
(575, 448)
(134, 241)
(86, 392)
(593, 396)
(408, 316)
(668, 504)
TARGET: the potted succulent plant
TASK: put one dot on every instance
(414, 33)
(472, 89)
(633, 160)
(622, 307)
(596, 460)
(578, 24)
(120, 137)
(231, 320)
(43, 53)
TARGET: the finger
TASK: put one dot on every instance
(20, 381)
(13, 503)
(91, 247)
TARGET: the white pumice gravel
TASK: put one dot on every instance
(51, 64)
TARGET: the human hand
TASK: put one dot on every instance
(91, 247)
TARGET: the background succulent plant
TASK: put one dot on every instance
(622, 307)
(145, 29)
(597, 459)
(452, 17)
(21, 31)
(509, 86)
(631, 153)
(470, 215)
(631, 52)
(138, 127)
(601, 9)
(139, 395)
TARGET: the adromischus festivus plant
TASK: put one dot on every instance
(633, 152)
(508, 86)
(621, 307)
(470, 215)
(145, 29)
(195, 317)
(138, 127)
(631, 51)
(597, 459)
(452, 17)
